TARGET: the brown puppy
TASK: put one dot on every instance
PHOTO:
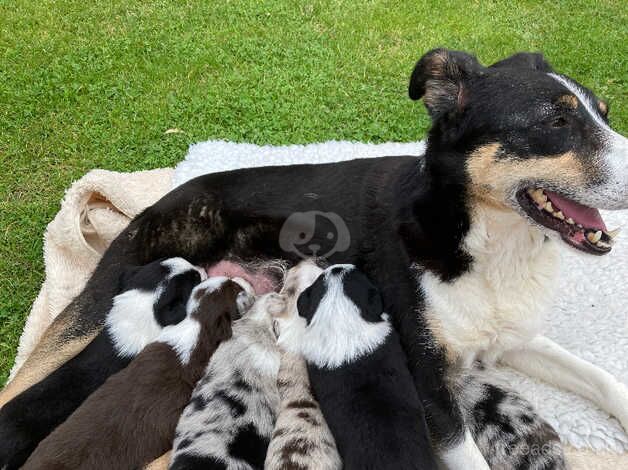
(131, 419)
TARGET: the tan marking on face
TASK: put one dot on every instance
(570, 101)
(603, 107)
(53, 350)
(493, 178)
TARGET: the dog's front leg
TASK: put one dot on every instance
(546, 360)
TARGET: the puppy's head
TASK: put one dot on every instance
(286, 321)
(524, 138)
(212, 307)
(218, 301)
(152, 296)
(341, 318)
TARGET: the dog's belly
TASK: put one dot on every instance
(263, 277)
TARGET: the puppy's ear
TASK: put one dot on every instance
(170, 307)
(222, 326)
(439, 77)
(525, 60)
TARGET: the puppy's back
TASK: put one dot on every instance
(301, 438)
(111, 428)
(233, 407)
(374, 412)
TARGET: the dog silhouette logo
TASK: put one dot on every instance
(314, 234)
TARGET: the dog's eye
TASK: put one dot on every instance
(559, 122)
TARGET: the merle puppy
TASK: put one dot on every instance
(359, 374)
(130, 420)
(152, 296)
(232, 412)
(301, 439)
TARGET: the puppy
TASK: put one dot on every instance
(152, 297)
(301, 439)
(359, 373)
(508, 431)
(230, 418)
(130, 420)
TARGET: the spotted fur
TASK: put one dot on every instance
(508, 431)
(301, 439)
(230, 417)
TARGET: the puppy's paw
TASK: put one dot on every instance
(275, 304)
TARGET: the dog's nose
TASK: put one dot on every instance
(314, 248)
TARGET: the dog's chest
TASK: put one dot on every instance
(499, 304)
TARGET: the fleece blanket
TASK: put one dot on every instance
(589, 317)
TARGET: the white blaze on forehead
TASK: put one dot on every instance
(612, 193)
(337, 333)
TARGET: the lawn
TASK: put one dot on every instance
(96, 84)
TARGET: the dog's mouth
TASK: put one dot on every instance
(580, 226)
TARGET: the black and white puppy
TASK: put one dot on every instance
(230, 418)
(153, 296)
(359, 373)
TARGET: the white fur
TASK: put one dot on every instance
(499, 304)
(612, 193)
(131, 322)
(546, 360)
(182, 337)
(464, 455)
(337, 333)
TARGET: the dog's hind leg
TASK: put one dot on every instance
(508, 431)
(543, 359)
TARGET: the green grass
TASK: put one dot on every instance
(96, 84)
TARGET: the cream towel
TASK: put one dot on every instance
(94, 211)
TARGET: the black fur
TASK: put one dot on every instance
(32, 415)
(371, 404)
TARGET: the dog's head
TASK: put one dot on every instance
(531, 139)
(152, 296)
(340, 318)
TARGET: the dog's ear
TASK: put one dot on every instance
(170, 307)
(439, 77)
(525, 60)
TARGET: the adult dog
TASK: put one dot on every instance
(462, 242)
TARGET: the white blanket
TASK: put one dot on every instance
(589, 316)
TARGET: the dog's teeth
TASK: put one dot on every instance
(559, 215)
(602, 244)
(538, 196)
(594, 237)
(570, 221)
(548, 207)
(614, 233)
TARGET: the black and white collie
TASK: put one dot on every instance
(463, 241)
(151, 297)
(359, 373)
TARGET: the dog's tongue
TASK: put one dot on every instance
(588, 217)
